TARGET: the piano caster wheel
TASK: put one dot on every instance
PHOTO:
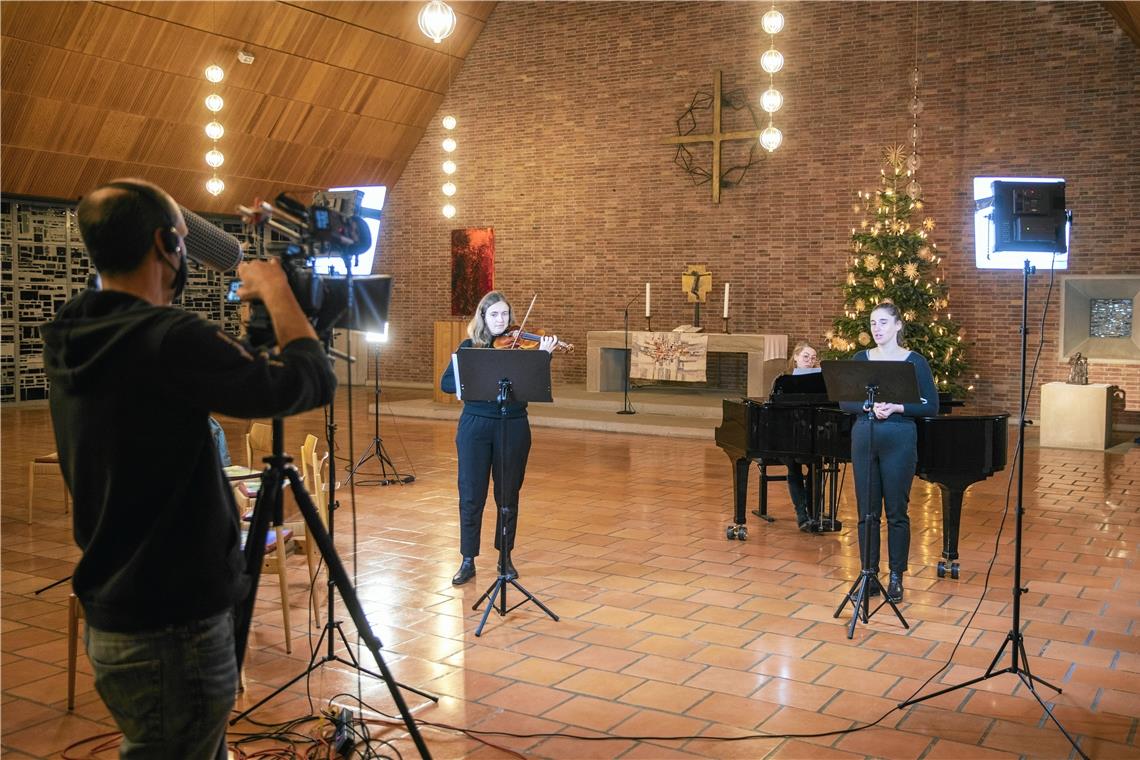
(954, 571)
(736, 532)
(941, 569)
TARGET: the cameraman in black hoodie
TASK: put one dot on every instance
(133, 381)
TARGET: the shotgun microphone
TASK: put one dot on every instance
(210, 246)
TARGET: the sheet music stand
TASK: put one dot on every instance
(487, 374)
(868, 382)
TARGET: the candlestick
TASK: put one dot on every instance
(726, 330)
(647, 300)
(725, 314)
(648, 324)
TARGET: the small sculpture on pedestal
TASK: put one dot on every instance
(1078, 370)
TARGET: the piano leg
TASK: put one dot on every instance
(738, 530)
(951, 522)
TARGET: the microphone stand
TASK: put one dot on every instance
(626, 408)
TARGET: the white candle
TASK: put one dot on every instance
(647, 300)
(725, 315)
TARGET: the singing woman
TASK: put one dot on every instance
(483, 455)
(884, 459)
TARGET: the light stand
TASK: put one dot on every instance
(376, 448)
(1019, 661)
(626, 407)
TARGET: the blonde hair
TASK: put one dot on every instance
(477, 329)
(796, 352)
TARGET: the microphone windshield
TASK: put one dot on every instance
(208, 245)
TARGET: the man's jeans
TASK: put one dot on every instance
(170, 690)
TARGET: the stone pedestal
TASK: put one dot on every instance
(1076, 416)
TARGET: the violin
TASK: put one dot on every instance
(516, 338)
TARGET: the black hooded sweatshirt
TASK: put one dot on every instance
(132, 386)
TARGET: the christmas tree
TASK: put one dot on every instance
(893, 259)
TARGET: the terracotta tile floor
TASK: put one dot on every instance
(667, 629)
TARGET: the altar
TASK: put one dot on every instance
(767, 357)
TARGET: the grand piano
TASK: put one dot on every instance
(954, 451)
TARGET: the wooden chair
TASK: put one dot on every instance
(51, 463)
(312, 484)
(258, 444)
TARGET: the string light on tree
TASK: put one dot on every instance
(771, 61)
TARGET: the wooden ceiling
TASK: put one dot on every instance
(339, 93)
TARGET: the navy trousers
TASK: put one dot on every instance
(488, 452)
(884, 463)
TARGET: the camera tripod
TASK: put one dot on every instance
(376, 449)
(269, 509)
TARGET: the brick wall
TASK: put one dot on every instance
(563, 107)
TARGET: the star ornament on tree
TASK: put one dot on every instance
(928, 224)
(896, 156)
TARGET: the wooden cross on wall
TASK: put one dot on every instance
(716, 137)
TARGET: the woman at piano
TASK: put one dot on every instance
(884, 460)
(477, 443)
(805, 360)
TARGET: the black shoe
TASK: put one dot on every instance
(465, 573)
(895, 588)
(874, 587)
(803, 520)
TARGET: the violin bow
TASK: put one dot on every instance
(522, 325)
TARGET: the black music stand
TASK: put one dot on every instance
(867, 382)
(485, 374)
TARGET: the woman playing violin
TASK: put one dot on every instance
(480, 449)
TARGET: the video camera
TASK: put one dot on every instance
(332, 226)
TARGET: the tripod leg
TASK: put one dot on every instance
(268, 496)
(534, 599)
(489, 595)
(1032, 678)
